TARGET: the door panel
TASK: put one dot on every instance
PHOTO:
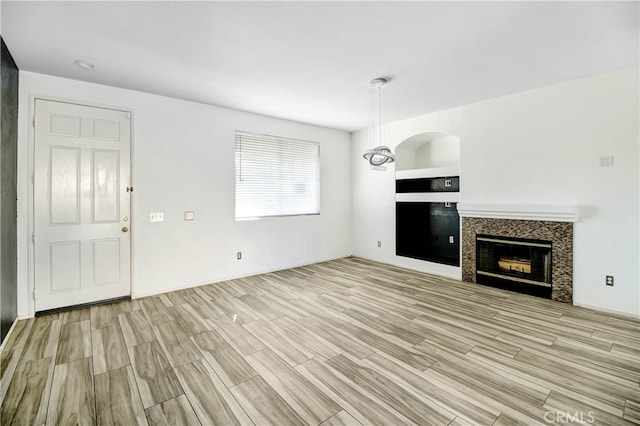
(106, 129)
(64, 183)
(106, 167)
(106, 255)
(64, 261)
(64, 125)
(82, 169)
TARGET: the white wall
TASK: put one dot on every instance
(183, 159)
(536, 147)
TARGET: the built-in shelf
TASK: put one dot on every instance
(428, 231)
(552, 213)
(432, 172)
(434, 184)
(427, 190)
(429, 197)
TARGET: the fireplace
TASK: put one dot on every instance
(557, 234)
(518, 264)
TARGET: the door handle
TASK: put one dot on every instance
(125, 229)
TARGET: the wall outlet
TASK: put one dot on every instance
(609, 280)
(379, 244)
(156, 217)
(452, 239)
(188, 215)
(239, 255)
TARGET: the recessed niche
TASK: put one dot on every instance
(427, 191)
(428, 150)
(428, 231)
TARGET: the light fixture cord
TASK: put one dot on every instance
(372, 119)
(376, 117)
(384, 124)
(379, 87)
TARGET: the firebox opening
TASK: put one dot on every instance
(516, 264)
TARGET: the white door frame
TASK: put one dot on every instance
(31, 192)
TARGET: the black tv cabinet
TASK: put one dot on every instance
(428, 228)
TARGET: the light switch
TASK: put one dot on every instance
(606, 161)
(452, 240)
(188, 215)
(156, 217)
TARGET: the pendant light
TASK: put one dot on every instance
(378, 153)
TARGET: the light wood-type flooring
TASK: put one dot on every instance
(345, 342)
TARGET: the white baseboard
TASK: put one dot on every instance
(260, 272)
(608, 311)
(443, 274)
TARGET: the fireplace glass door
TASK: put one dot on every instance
(513, 263)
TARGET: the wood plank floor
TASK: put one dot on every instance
(345, 342)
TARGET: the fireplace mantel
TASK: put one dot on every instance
(552, 213)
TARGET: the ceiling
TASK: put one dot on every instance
(312, 61)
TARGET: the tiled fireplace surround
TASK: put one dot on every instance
(560, 233)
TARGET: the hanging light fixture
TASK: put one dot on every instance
(378, 153)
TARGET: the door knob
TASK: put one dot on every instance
(125, 229)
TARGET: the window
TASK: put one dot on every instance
(276, 176)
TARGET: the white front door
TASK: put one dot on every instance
(81, 204)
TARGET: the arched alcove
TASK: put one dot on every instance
(428, 150)
(427, 193)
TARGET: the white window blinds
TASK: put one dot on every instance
(276, 176)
